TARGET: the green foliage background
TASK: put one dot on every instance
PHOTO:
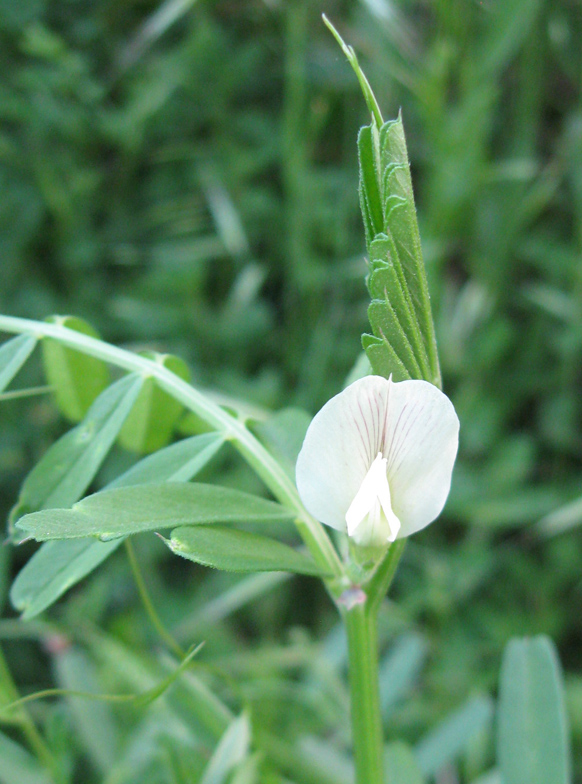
(191, 187)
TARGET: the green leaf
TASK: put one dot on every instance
(232, 749)
(178, 462)
(400, 222)
(400, 669)
(512, 21)
(370, 196)
(5, 572)
(18, 766)
(94, 722)
(532, 740)
(385, 323)
(76, 379)
(400, 765)
(491, 777)
(248, 771)
(130, 510)
(384, 359)
(139, 700)
(58, 565)
(69, 466)
(238, 551)
(151, 422)
(240, 593)
(55, 568)
(403, 342)
(326, 760)
(449, 739)
(387, 284)
(13, 355)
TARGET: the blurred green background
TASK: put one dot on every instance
(183, 176)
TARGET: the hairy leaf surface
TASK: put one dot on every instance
(238, 551)
(130, 510)
(58, 565)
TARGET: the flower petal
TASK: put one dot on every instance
(340, 446)
(420, 444)
(415, 428)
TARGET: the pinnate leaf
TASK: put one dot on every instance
(129, 510)
(403, 343)
(58, 565)
(233, 748)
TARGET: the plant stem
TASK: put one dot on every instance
(270, 471)
(381, 580)
(148, 604)
(368, 746)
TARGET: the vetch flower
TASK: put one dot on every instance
(377, 459)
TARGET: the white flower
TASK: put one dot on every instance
(377, 459)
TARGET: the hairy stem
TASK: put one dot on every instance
(361, 626)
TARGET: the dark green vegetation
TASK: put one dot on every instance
(193, 190)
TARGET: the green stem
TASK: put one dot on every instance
(379, 584)
(270, 471)
(368, 745)
(362, 629)
(148, 604)
(349, 52)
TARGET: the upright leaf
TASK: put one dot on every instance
(510, 23)
(13, 355)
(401, 766)
(403, 342)
(95, 723)
(76, 379)
(400, 669)
(68, 467)
(453, 735)
(248, 771)
(232, 749)
(58, 565)
(386, 275)
(130, 510)
(370, 178)
(400, 221)
(532, 734)
(384, 358)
